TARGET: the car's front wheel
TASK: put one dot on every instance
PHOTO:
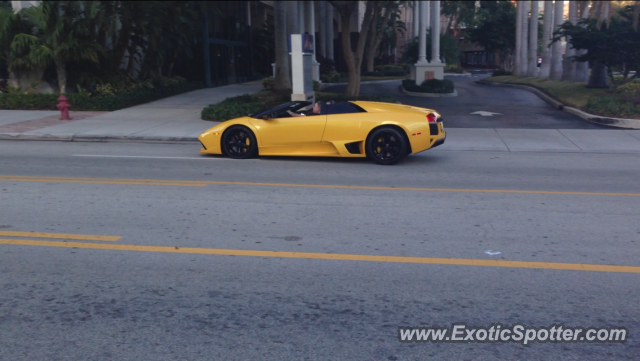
(239, 142)
(387, 146)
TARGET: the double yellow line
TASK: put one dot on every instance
(180, 183)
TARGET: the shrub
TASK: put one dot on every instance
(429, 86)
(330, 77)
(268, 83)
(83, 100)
(231, 108)
(387, 67)
(316, 85)
(325, 97)
(501, 72)
(454, 68)
(631, 90)
(394, 72)
(611, 107)
(372, 73)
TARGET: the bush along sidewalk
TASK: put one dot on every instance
(86, 101)
(429, 86)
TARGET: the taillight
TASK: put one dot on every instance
(432, 118)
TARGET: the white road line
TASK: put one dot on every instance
(144, 157)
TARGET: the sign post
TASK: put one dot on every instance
(301, 49)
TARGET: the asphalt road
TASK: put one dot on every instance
(517, 108)
(112, 300)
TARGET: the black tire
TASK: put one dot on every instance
(387, 146)
(239, 142)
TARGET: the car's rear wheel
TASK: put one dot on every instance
(239, 142)
(387, 146)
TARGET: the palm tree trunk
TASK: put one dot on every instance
(61, 71)
(598, 78)
(518, 67)
(533, 40)
(569, 68)
(582, 68)
(547, 27)
(556, 48)
(376, 38)
(282, 79)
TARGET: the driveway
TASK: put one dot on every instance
(517, 108)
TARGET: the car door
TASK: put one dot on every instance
(290, 131)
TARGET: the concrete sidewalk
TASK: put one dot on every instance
(175, 118)
(543, 140)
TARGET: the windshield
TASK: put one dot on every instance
(280, 111)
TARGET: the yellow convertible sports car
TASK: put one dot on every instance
(384, 132)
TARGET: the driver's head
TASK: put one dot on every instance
(316, 108)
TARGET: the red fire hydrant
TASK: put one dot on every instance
(63, 106)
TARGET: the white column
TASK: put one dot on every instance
(292, 18)
(435, 32)
(310, 27)
(533, 40)
(329, 25)
(545, 67)
(556, 48)
(301, 16)
(524, 49)
(416, 19)
(322, 21)
(422, 53)
(428, 14)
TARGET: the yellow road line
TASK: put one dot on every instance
(132, 182)
(85, 237)
(330, 256)
(204, 183)
(424, 189)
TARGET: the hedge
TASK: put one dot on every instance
(231, 108)
(429, 86)
(21, 101)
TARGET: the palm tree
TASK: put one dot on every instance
(385, 23)
(282, 79)
(598, 77)
(582, 68)
(524, 49)
(533, 40)
(353, 59)
(60, 35)
(569, 70)
(556, 48)
(547, 30)
(519, 44)
(11, 24)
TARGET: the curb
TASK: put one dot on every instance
(429, 95)
(72, 138)
(597, 119)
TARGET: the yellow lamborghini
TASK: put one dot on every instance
(384, 132)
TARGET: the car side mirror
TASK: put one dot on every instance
(266, 117)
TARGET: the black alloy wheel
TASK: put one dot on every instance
(238, 142)
(387, 146)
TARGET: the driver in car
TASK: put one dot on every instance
(314, 111)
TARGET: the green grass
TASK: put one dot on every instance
(575, 95)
